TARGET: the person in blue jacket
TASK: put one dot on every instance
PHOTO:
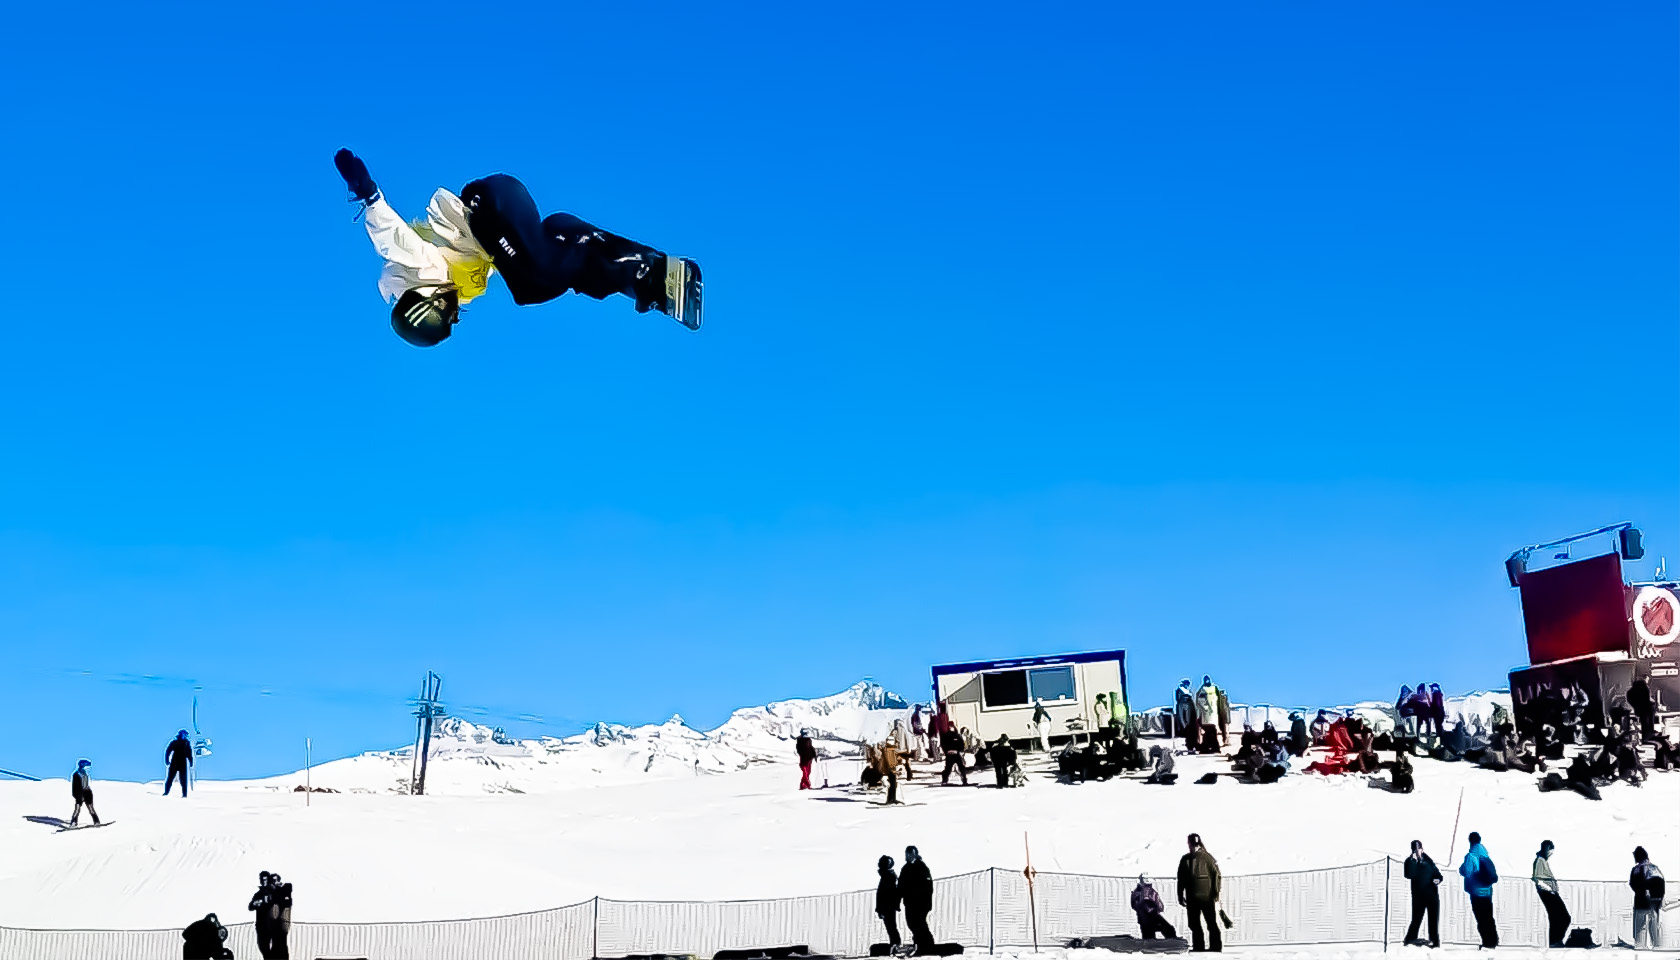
(1479, 877)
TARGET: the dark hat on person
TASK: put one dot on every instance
(885, 863)
(1475, 837)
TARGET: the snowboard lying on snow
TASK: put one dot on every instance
(939, 950)
(1130, 944)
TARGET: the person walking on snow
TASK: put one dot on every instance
(435, 266)
(1198, 893)
(1146, 903)
(887, 899)
(1425, 879)
(951, 742)
(807, 757)
(81, 791)
(1648, 891)
(1546, 885)
(1479, 877)
(901, 741)
(179, 756)
(1041, 725)
(915, 886)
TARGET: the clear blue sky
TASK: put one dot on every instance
(1250, 339)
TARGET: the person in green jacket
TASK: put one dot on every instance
(1426, 894)
(1545, 884)
(1198, 894)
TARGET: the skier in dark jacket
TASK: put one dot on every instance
(1298, 739)
(1146, 903)
(1184, 713)
(179, 756)
(915, 886)
(1198, 893)
(431, 268)
(204, 939)
(81, 791)
(807, 757)
(887, 899)
(1426, 879)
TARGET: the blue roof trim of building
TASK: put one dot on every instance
(980, 666)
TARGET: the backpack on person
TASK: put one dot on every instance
(1486, 875)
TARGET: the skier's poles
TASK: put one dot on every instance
(1032, 901)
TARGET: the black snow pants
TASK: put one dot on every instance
(891, 920)
(1430, 904)
(1151, 924)
(954, 760)
(85, 801)
(920, 935)
(1203, 913)
(176, 770)
(1482, 907)
(540, 259)
(1557, 918)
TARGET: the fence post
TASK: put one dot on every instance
(991, 900)
(595, 931)
(1388, 886)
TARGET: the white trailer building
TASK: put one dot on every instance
(995, 697)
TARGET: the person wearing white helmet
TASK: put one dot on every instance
(1146, 903)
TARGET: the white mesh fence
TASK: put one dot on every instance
(990, 909)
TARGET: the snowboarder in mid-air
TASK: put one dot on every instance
(179, 756)
(434, 266)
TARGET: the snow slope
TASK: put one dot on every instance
(679, 814)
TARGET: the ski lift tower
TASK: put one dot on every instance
(427, 707)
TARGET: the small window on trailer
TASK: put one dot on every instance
(1017, 688)
(1051, 683)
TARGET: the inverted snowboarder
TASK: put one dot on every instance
(435, 266)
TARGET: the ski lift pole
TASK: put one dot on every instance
(1453, 846)
(1032, 899)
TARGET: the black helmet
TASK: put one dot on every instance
(424, 319)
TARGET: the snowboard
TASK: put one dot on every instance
(1129, 944)
(85, 826)
(683, 291)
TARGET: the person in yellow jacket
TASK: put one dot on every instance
(434, 266)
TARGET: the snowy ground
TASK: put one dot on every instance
(649, 827)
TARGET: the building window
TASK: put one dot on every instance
(1007, 688)
(1017, 688)
(1051, 683)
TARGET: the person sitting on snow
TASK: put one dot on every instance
(1003, 761)
(1162, 773)
(433, 267)
(1146, 903)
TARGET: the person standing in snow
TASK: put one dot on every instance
(1321, 728)
(81, 791)
(890, 760)
(951, 742)
(261, 905)
(1648, 891)
(1198, 893)
(1546, 885)
(1639, 701)
(1004, 761)
(1437, 709)
(1298, 740)
(807, 758)
(280, 907)
(901, 741)
(1207, 716)
(1184, 713)
(1146, 903)
(1425, 879)
(887, 899)
(1041, 725)
(920, 748)
(1479, 877)
(1101, 711)
(179, 756)
(915, 886)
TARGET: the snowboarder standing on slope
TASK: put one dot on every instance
(179, 756)
(81, 791)
(915, 885)
(1198, 893)
(807, 757)
(432, 268)
(1479, 877)
(887, 899)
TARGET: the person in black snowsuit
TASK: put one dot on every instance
(1003, 760)
(81, 791)
(887, 899)
(1426, 879)
(280, 907)
(204, 939)
(179, 756)
(262, 903)
(915, 886)
(951, 742)
(1298, 739)
(1639, 700)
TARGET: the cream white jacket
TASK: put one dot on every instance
(441, 250)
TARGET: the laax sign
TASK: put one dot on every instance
(1653, 615)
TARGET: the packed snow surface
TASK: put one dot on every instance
(675, 813)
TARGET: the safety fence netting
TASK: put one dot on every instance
(990, 909)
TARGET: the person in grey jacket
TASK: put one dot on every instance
(1546, 885)
(1649, 889)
